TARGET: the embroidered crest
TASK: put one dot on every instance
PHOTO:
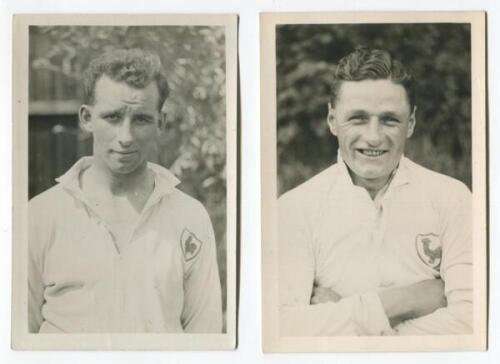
(429, 249)
(190, 245)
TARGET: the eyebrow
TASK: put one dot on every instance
(357, 111)
(382, 114)
(390, 114)
(144, 115)
(111, 112)
(121, 111)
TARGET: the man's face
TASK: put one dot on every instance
(372, 120)
(124, 122)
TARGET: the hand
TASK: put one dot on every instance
(413, 301)
(323, 295)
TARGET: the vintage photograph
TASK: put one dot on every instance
(125, 182)
(374, 205)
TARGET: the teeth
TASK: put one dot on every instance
(372, 153)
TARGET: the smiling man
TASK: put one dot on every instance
(115, 246)
(375, 244)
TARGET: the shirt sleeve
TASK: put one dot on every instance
(202, 311)
(360, 314)
(36, 235)
(456, 271)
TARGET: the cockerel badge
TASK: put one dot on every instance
(190, 245)
(429, 249)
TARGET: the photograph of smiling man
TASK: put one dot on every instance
(374, 178)
(369, 231)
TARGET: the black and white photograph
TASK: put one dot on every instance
(374, 182)
(125, 201)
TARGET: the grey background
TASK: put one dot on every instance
(439, 57)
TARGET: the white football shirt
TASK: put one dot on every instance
(333, 235)
(164, 280)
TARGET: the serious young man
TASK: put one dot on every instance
(375, 244)
(114, 246)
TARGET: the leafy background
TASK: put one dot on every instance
(437, 54)
(193, 143)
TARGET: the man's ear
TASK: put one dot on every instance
(411, 123)
(85, 117)
(330, 119)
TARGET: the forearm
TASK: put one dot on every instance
(454, 319)
(413, 301)
(395, 303)
(355, 315)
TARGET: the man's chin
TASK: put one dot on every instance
(372, 175)
(123, 169)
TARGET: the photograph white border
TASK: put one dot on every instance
(23, 340)
(271, 340)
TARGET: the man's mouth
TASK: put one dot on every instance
(372, 152)
(124, 152)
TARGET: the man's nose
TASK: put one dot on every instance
(125, 133)
(373, 133)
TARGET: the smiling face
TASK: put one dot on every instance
(372, 120)
(124, 122)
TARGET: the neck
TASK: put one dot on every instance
(372, 185)
(99, 176)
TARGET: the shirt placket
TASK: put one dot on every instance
(119, 291)
(374, 227)
(114, 292)
(120, 286)
(378, 235)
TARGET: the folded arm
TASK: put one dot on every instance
(401, 303)
(356, 315)
(455, 270)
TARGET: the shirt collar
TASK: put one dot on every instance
(165, 181)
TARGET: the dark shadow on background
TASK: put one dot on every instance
(487, 148)
(238, 186)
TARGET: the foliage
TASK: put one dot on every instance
(193, 143)
(438, 55)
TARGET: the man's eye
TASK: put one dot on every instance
(112, 117)
(356, 119)
(143, 120)
(390, 121)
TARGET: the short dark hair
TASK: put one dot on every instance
(373, 64)
(136, 67)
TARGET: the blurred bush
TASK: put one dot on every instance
(437, 54)
(193, 144)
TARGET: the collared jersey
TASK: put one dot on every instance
(333, 235)
(165, 279)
